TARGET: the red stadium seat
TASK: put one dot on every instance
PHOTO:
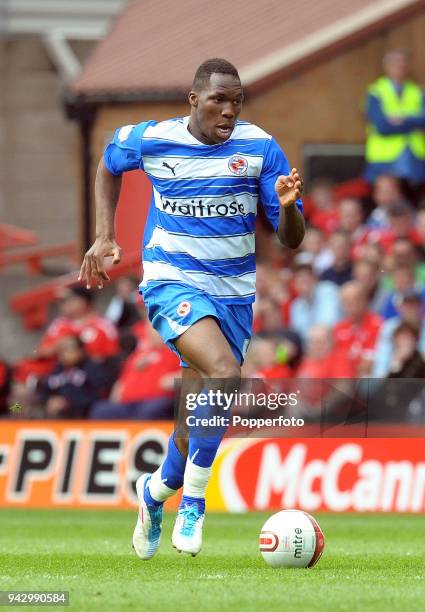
(12, 236)
(33, 304)
(33, 257)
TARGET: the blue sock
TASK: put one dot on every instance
(171, 472)
(172, 469)
(202, 451)
(204, 441)
(199, 501)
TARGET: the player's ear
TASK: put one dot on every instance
(193, 98)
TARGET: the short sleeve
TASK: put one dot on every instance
(124, 152)
(274, 164)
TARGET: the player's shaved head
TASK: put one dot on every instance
(216, 65)
(216, 100)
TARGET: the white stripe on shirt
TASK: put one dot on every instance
(219, 286)
(203, 247)
(189, 168)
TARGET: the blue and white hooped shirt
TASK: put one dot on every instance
(201, 222)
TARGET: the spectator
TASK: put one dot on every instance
(404, 252)
(356, 335)
(274, 294)
(267, 317)
(395, 110)
(403, 279)
(386, 193)
(324, 213)
(263, 280)
(321, 364)
(75, 383)
(400, 225)
(281, 292)
(265, 362)
(280, 354)
(145, 388)
(351, 220)
(315, 250)
(342, 268)
(316, 302)
(122, 310)
(372, 251)
(400, 400)
(411, 311)
(261, 354)
(322, 359)
(407, 361)
(290, 349)
(367, 273)
(78, 317)
(420, 228)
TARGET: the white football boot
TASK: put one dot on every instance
(147, 533)
(187, 532)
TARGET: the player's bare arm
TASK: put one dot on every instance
(107, 190)
(291, 227)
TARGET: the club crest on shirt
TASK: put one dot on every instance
(238, 165)
(183, 309)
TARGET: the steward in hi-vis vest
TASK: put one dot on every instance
(395, 111)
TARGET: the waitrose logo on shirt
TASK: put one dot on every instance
(202, 208)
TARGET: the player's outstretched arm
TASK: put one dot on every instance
(107, 190)
(291, 227)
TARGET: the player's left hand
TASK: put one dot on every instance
(289, 188)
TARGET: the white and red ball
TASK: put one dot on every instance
(291, 538)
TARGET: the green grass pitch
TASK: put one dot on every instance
(371, 562)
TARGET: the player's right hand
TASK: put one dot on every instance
(93, 266)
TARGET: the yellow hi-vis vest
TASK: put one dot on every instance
(382, 148)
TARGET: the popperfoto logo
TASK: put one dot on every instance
(238, 165)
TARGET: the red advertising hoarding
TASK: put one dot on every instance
(95, 464)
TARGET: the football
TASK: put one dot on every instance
(291, 538)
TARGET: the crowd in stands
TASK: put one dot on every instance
(348, 304)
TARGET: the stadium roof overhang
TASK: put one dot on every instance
(57, 22)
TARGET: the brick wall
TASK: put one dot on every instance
(39, 189)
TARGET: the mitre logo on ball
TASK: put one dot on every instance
(238, 165)
(183, 309)
(291, 538)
